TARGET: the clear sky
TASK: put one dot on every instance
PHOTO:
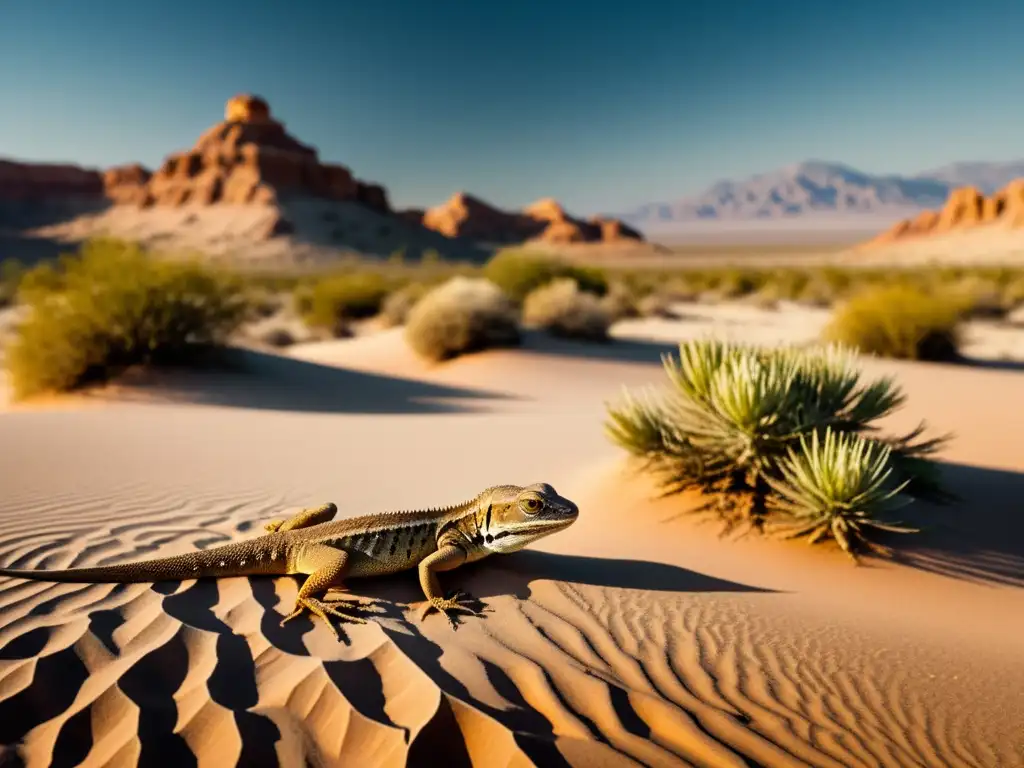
(602, 105)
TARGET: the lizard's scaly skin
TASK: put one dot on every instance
(503, 518)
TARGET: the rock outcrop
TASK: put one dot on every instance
(248, 188)
(966, 208)
(466, 216)
(249, 158)
(48, 181)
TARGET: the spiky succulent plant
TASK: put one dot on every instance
(837, 486)
(734, 415)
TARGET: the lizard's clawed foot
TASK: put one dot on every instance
(361, 605)
(273, 526)
(455, 602)
(324, 610)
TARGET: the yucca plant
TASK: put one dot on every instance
(729, 413)
(733, 414)
(836, 487)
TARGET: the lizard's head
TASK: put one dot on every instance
(518, 516)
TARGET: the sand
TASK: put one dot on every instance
(319, 232)
(992, 244)
(635, 637)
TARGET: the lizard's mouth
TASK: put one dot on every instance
(535, 530)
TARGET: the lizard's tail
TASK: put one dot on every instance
(237, 559)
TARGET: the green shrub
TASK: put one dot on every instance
(518, 273)
(1013, 293)
(784, 435)
(11, 272)
(733, 284)
(114, 306)
(899, 321)
(336, 299)
(562, 309)
(621, 300)
(395, 308)
(461, 316)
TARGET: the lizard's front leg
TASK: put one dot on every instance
(326, 568)
(304, 519)
(448, 557)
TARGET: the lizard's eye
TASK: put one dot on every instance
(532, 506)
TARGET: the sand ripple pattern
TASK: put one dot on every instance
(577, 674)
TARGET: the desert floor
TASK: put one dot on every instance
(635, 637)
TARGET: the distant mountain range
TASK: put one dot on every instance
(818, 189)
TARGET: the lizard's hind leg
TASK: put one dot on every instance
(326, 568)
(304, 519)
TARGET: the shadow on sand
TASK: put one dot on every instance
(615, 350)
(241, 378)
(154, 678)
(994, 365)
(980, 538)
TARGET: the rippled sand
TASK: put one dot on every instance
(636, 637)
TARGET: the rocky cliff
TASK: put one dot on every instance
(464, 215)
(249, 158)
(43, 181)
(247, 182)
(966, 208)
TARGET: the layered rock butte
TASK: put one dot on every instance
(250, 160)
(967, 208)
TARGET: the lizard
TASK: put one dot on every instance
(500, 519)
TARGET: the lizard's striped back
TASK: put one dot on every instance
(384, 543)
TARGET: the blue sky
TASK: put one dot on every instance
(601, 105)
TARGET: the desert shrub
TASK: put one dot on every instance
(899, 321)
(11, 272)
(732, 284)
(335, 299)
(1013, 292)
(395, 308)
(114, 306)
(785, 436)
(562, 309)
(263, 303)
(45, 277)
(461, 316)
(518, 273)
(621, 300)
(977, 296)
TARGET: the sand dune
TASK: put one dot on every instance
(991, 244)
(636, 637)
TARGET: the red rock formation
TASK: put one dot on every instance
(248, 159)
(46, 181)
(966, 208)
(126, 183)
(466, 216)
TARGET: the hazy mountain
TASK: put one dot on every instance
(988, 177)
(817, 189)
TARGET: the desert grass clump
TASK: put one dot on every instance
(461, 316)
(396, 306)
(563, 310)
(334, 300)
(114, 306)
(517, 273)
(11, 272)
(743, 425)
(899, 321)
